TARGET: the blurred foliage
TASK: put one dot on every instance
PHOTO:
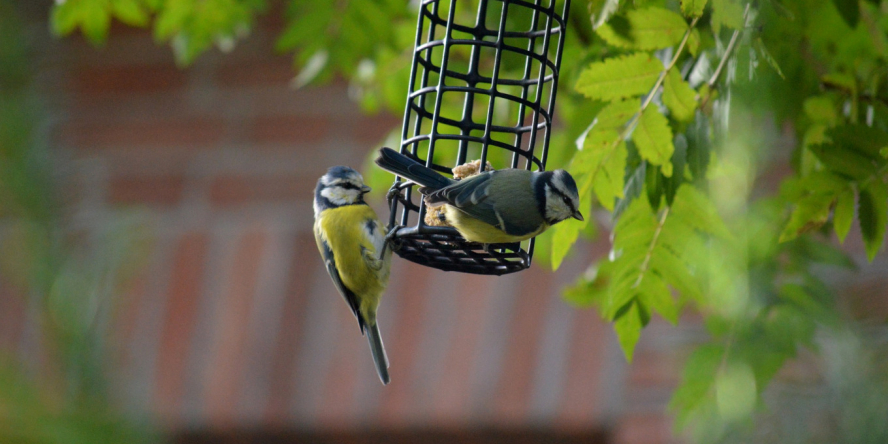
(68, 278)
(668, 117)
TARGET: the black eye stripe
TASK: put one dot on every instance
(565, 198)
(347, 186)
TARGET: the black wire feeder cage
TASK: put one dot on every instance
(482, 86)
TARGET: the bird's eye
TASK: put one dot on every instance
(566, 200)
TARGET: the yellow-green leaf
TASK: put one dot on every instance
(810, 213)
(820, 109)
(653, 138)
(693, 8)
(735, 392)
(694, 42)
(872, 213)
(130, 12)
(843, 215)
(616, 114)
(619, 77)
(726, 13)
(628, 328)
(654, 293)
(603, 158)
(646, 29)
(679, 97)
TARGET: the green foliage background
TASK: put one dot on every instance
(669, 113)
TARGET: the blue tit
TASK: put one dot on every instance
(352, 243)
(501, 206)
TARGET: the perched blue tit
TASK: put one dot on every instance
(352, 243)
(501, 206)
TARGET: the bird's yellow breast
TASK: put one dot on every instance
(344, 231)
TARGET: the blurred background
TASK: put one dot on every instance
(161, 283)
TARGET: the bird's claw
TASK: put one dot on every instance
(393, 192)
(391, 240)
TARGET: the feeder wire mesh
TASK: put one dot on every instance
(507, 89)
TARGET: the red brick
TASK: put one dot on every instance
(149, 190)
(373, 129)
(231, 190)
(188, 133)
(453, 393)
(644, 429)
(521, 359)
(128, 79)
(655, 369)
(288, 130)
(277, 412)
(402, 344)
(582, 402)
(181, 315)
(264, 72)
(226, 366)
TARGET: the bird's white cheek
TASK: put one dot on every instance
(339, 196)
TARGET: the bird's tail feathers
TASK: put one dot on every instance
(397, 163)
(378, 352)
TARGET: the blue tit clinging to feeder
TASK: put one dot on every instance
(352, 243)
(501, 206)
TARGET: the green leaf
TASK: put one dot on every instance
(694, 42)
(679, 160)
(616, 114)
(821, 109)
(841, 81)
(865, 140)
(849, 10)
(844, 160)
(602, 10)
(679, 97)
(604, 158)
(95, 21)
(884, 152)
(872, 213)
(130, 12)
(693, 8)
(697, 380)
(735, 391)
(765, 54)
(653, 137)
(843, 215)
(65, 18)
(696, 210)
(654, 293)
(726, 13)
(619, 77)
(628, 328)
(810, 213)
(645, 29)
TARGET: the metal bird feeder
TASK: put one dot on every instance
(482, 86)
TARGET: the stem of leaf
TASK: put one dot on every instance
(650, 96)
(724, 60)
(650, 251)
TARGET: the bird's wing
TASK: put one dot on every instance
(374, 242)
(330, 264)
(469, 195)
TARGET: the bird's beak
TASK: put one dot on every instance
(578, 216)
(365, 189)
